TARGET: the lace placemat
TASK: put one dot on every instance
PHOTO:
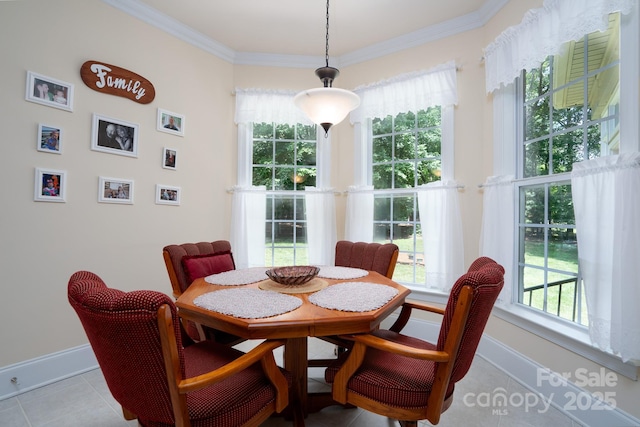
(344, 273)
(248, 303)
(354, 296)
(238, 277)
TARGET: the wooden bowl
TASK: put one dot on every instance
(294, 275)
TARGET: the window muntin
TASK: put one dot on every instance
(284, 160)
(558, 129)
(406, 153)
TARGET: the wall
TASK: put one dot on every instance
(44, 243)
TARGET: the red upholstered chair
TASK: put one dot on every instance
(137, 342)
(409, 379)
(377, 257)
(368, 256)
(189, 261)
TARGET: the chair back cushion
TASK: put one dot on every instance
(368, 256)
(123, 331)
(486, 283)
(178, 252)
(197, 266)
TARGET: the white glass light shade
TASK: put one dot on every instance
(326, 106)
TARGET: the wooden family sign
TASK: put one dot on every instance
(117, 81)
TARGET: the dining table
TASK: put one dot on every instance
(248, 304)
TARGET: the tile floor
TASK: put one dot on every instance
(84, 400)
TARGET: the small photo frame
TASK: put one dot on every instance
(114, 136)
(170, 122)
(50, 185)
(115, 190)
(49, 91)
(167, 195)
(49, 139)
(169, 158)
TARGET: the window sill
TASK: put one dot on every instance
(571, 337)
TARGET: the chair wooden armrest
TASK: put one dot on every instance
(444, 358)
(178, 387)
(405, 313)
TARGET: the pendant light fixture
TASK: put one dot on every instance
(326, 106)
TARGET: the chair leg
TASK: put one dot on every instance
(408, 423)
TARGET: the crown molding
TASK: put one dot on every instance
(151, 16)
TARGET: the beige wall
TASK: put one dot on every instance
(44, 243)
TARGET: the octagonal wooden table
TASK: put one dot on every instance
(309, 320)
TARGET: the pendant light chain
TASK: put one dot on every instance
(326, 56)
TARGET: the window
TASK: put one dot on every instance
(569, 109)
(406, 153)
(284, 160)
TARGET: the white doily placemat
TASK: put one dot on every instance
(344, 273)
(248, 303)
(238, 277)
(354, 296)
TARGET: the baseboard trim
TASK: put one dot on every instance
(41, 371)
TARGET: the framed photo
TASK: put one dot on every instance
(115, 190)
(50, 185)
(169, 158)
(167, 195)
(170, 122)
(114, 136)
(49, 91)
(49, 139)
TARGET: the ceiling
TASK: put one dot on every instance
(248, 31)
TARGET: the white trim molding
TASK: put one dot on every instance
(31, 374)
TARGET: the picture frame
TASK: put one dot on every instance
(169, 158)
(114, 136)
(49, 139)
(168, 195)
(115, 190)
(170, 122)
(50, 185)
(49, 91)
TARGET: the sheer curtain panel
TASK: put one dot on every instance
(498, 225)
(359, 220)
(441, 234)
(248, 216)
(542, 32)
(321, 225)
(606, 200)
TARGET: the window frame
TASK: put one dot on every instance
(507, 122)
(246, 164)
(363, 169)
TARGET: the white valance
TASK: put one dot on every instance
(542, 32)
(267, 105)
(407, 92)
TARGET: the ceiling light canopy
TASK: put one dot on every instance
(326, 106)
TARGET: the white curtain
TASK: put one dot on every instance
(606, 200)
(359, 220)
(498, 225)
(248, 216)
(441, 234)
(264, 105)
(321, 225)
(542, 32)
(407, 92)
